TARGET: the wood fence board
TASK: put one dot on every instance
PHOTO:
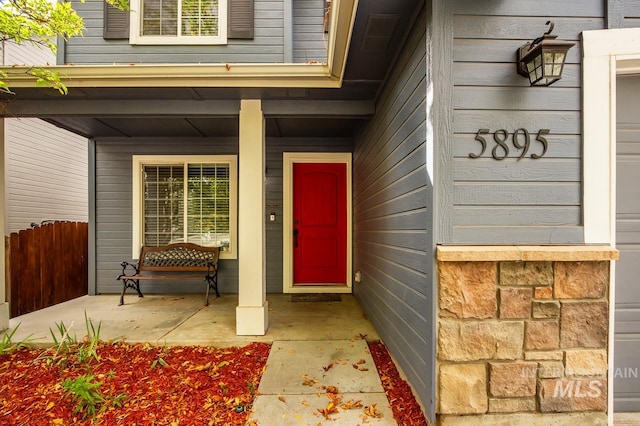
(14, 268)
(47, 265)
(48, 258)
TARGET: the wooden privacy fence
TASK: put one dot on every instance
(46, 265)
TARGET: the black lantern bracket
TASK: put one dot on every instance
(542, 60)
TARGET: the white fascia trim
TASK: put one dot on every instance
(327, 75)
(607, 54)
(182, 75)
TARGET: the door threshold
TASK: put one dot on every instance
(342, 289)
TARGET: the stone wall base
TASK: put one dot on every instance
(572, 419)
(523, 335)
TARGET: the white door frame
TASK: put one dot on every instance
(607, 54)
(288, 160)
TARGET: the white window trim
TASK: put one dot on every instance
(138, 190)
(135, 36)
(607, 54)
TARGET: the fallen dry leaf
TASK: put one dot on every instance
(326, 412)
(372, 411)
(331, 389)
(351, 404)
(310, 382)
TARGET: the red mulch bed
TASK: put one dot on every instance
(180, 385)
(406, 409)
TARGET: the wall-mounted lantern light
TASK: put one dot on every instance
(542, 60)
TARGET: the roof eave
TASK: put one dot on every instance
(316, 75)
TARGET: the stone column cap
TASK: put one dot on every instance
(462, 253)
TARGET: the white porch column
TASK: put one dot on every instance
(252, 313)
(4, 305)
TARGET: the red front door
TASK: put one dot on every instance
(319, 223)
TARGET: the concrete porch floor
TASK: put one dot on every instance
(184, 320)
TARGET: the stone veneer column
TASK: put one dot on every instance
(522, 334)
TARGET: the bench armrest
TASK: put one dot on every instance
(129, 265)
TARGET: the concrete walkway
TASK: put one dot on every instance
(303, 378)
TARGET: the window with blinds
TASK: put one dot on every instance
(186, 201)
(178, 21)
(204, 192)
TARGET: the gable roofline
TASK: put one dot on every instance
(322, 75)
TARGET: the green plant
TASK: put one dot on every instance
(7, 345)
(87, 349)
(66, 343)
(65, 340)
(160, 361)
(251, 387)
(85, 393)
(117, 400)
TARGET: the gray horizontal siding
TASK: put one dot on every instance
(275, 147)
(46, 174)
(515, 201)
(623, 14)
(114, 203)
(546, 8)
(309, 38)
(267, 45)
(392, 216)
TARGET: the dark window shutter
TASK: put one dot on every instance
(240, 23)
(116, 23)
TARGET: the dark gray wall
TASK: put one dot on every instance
(275, 147)
(392, 218)
(511, 201)
(114, 203)
(267, 45)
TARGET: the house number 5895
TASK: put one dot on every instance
(520, 140)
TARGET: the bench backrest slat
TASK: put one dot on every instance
(178, 257)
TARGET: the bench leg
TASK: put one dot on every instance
(212, 282)
(129, 283)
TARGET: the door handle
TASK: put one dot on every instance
(295, 238)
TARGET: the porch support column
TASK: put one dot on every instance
(252, 313)
(4, 305)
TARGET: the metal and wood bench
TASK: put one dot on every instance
(155, 262)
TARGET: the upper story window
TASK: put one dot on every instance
(178, 22)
